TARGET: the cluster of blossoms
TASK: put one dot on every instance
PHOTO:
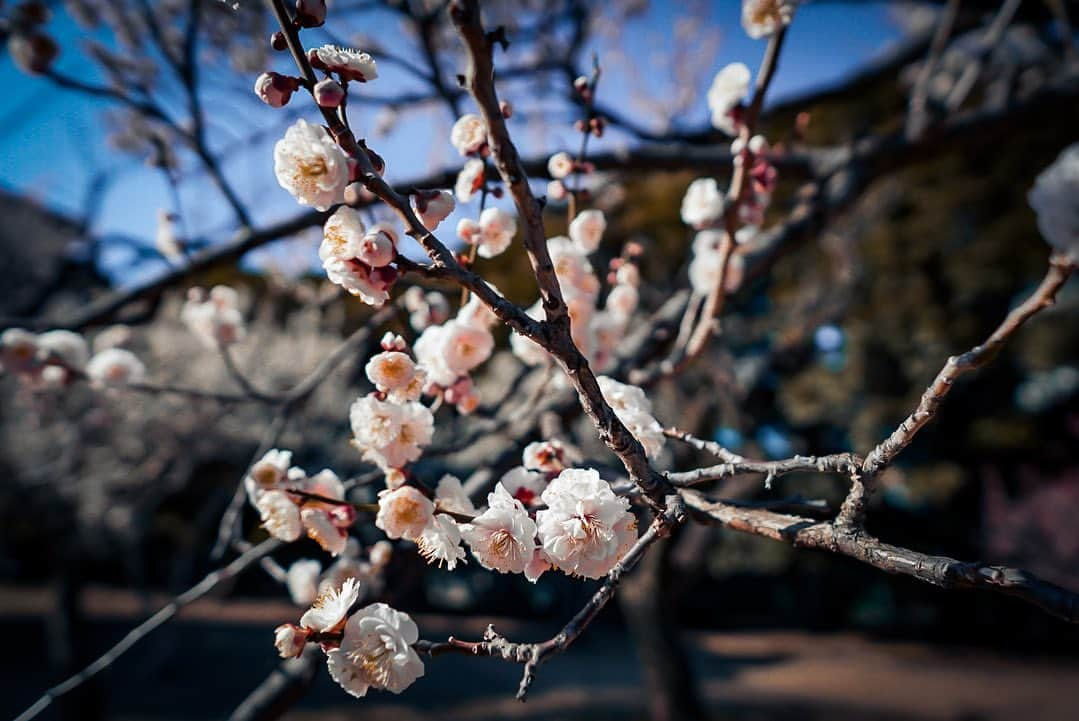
(491, 235)
(581, 526)
(371, 648)
(214, 317)
(358, 258)
(391, 426)
(55, 358)
(291, 503)
(633, 408)
(1055, 199)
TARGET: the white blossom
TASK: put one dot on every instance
(322, 530)
(115, 367)
(348, 63)
(390, 434)
(702, 204)
(469, 134)
(301, 580)
(762, 18)
(18, 350)
(727, 91)
(440, 542)
(404, 512)
(331, 607)
(585, 524)
(560, 165)
(587, 229)
(63, 345)
(463, 346)
(376, 652)
(450, 496)
(390, 371)
(268, 473)
(503, 537)
(623, 300)
(214, 318)
(546, 456)
(433, 207)
(289, 640)
(634, 409)
(469, 180)
(525, 485)
(497, 228)
(1055, 199)
(310, 165)
(280, 515)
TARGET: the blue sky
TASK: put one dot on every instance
(55, 141)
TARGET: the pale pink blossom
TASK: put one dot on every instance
(115, 367)
(587, 229)
(450, 496)
(330, 609)
(497, 228)
(503, 537)
(634, 409)
(585, 524)
(465, 346)
(560, 165)
(310, 165)
(404, 512)
(390, 371)
(763, 18)
(469, 180)
(302, 580)
(440, 542)
(702, 204)
(376, 652)
(391, 434)
(433, 206)
(546, 456)
(214, 318)
(280, 515)
(525, 485)
(469, 134)
(727, 92)
(289, 640)
(349, 64)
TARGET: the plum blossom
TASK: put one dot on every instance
(310, 165)
(587, 229)
(469, 134)
(503, 537)
(404, 512)
(18, 350)
(376, 652)
(702, 204)
(726, 93)
(349, 64)
(1055, 199)
(634, 409)
(390, 434)
(545, 456)
(328, 612)
(280, 515)
(302, 580)
(391, 372)
(763, 18)
(704, 269)
(433, 206)
(525, 485)
(275, 89)
(214, 318)
(469, 180)
(450, 496)
(440, 542)
(271, 472)
(497, 228)
(115, 367)
(290, 640)
(560, 165)
(349, 254)
(585, 527)
(425, 308)
(64, 346)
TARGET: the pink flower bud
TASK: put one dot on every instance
(376, 249)
(328, 93)
(506, 108)
(275, 89)
(278, 41)
(290, 640)
(310, 13)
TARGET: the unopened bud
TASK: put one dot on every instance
(598, 126)
(32, 53)
(506, 108)
(275, 89)
(310, 13)
(580, 84)
(278, 41)
(328, 93)
(289, 639)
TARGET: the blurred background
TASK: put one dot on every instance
(143, 128)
